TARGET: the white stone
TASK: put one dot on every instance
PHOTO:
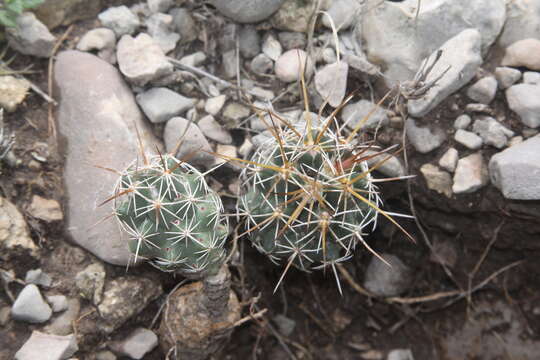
(272, 48)
(353, 114)
(247, 11)
(120, 19)
(525, 53)
(524, 99)
(162, 104)
(343, 14)
(437, 179)
(140, 342)
(449, 160)
(468, 139)
(507, 76)
(331, 82)
(531, 77)
(471, 174)
(484, 90)
(492, 132)
(462, 122)
(30, 306)
(213, 130)
(214, 105)
(289, 65)
(30, 36)
(424, 139)
(47, 347)
(194, 146)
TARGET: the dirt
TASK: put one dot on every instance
(499, 321)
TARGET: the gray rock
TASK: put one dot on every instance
(97, 39)
(194, 146)
(460, 59)
(292, 40)
(507, 76)
(484, 90)
(159, 27)
(184, 24)
(236, 113)
(105, 355)
(120, 19)
(284, 324)
(343, 14)
(294, 15)
(141, 59)
(271, 47)
(214, 105)
(38, 277)
(262, 64)
(140, 342)
(468, 139)
(96, 116)
(228, 63)
(13, 91)
(46, 346)
(63, 323)
(262, 138)
(383, 280)
(524, 52)
(195, 59)
(462, 122)
(125, 297)
(261, 93)
(331, 82)
(58, 302)
(392, 166)
(290, 65)
(329, 55)
(522, 22)
(162, 104)
(247, 12)
(449, 160)
(250, 41)
(524, 99)
(64, 12)
(353, 114)
(424, 139)
(212, 129)
(390, 37)
(360, 63)
(531, 77)
(471, 174)
(400, 354)
(159, 6)
(30, 306)
(437, 179)
(492, 132)
(14, 233)
(90, 282)
(30, 36)
(516, 170)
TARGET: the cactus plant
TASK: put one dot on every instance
(171, 215)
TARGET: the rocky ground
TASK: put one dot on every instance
(464, 106)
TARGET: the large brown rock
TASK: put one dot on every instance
(63, 12)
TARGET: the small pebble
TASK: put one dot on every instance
(271, 47)
(262, 64)
(290, 65)
(507, 76)
(38, 277)
(471, 174)
(484, 90)
(462, 122)
(449, 160)
(468, 139)
(30, 306)
(214, 105)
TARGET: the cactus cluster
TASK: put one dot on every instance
(173, 218)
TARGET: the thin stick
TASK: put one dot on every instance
(353, 283)
(250, 317)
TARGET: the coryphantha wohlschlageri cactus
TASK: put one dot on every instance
(173, 219)
(310, 197)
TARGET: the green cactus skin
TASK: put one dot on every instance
(173, 218)
(309, 197)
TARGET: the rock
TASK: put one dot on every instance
(13, 91)
(394, 36)
(271, 47)
(64, 12)
(522, 22)
(96, 116)
(48, 210)
(38, 277)
(468, 139)
(184, 25)
(437, 179)
(329, 55)
(236, 113)
(294, 15)
(101, 39)
(31, 37)
(63, 324)
(247, 12)
(471, 174)
(400, 354)
(360, 63)
(4, 315)
(262, 64)
(140, 342)
(516, 170)
(484, 90)
(383, 280)
(391, 167)
(531, 77)
(162, 104)
(228, 63)
(527, 133)
(523, 53)
(353, 114)
(159, 27)
(292, 40)
(30, 306)
(90, 282)
(141, 59)
(492, 132)
(195, 59)
(58, 302)
(462, 122)
(214, 105)
(262, 138)
(227, 152)
(159, 6)
(46, 346)
(460, 59)
(290, 65)
(123, 298)
(507, 76)
(250, 41)
(246, 148)
(331, 82)
(120, 19)
(261, 93)
(194, 147)
(524, 99)
(105, 355)
(424, 139)
(14, 232)
(284, 324)
(343, 14)
(449, 160)
(212, 129)
(479, 108)
(515, 140)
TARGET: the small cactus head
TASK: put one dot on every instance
(174, 220)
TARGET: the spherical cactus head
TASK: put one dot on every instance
(309, 196)
(172, 218)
